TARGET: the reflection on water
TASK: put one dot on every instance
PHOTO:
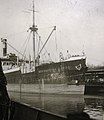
(94, 106)
(64, 104)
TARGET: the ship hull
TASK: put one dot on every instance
(94, 89)
(56, 78)
(47, 88)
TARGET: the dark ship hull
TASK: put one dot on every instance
(94, 89)
(94, 81)
(58, 78)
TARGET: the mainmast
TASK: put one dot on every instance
(34, 30)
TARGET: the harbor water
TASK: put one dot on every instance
(63, 104)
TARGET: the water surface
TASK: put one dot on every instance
(64, 104)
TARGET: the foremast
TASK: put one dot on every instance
(34, 30)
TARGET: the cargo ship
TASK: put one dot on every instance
(67, 76)
(64, 77)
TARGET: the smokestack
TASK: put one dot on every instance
(4, 41)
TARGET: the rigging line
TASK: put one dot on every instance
(39, 41)
(44, 57)
(48, 54)
(56, 42)
(44, 54)
(72, 3)
(44, 48)
(68, 2)
(15, 34)
(46, 51)
(28, 19)
(25, 41)
(47, 39)
(39, 44)
(15, 49)
(27, 44)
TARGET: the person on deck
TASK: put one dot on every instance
(4, 97)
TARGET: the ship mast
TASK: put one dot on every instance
(34, 30)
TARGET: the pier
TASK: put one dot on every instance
(95, 73)
(94, 81)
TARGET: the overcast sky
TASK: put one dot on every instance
(80, 26)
